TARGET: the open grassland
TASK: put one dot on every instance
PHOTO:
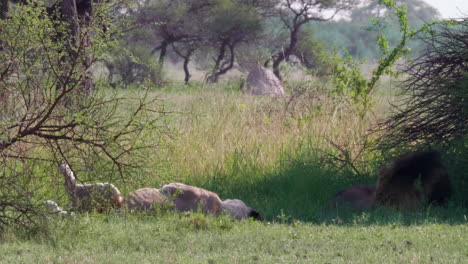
(282, 157)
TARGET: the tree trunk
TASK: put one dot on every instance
(276, 64)
(186, 58)
(3, 16)
(163, 52)
(213, 78)
(222, 66)
(186, 69)
(69, 14)
(284, 54)
(3, 9)
(230, 63)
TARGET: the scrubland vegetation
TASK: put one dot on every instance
(284, 156)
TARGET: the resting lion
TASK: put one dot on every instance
(358, 197)
(413, 179)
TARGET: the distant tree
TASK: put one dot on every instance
(230, 24)
(154, 28)
(172, 22)
(213, 27)
(419, 11)
(294, 14)
(352, 33)
(310, 51)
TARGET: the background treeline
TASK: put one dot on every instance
(356, 34)
(217, 36)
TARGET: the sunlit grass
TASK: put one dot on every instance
(179, 238)
(264, 150)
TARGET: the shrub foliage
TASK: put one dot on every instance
(435, 106)
(47, 117)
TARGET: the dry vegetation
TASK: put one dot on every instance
(211, 124)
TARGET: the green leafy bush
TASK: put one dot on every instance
(48, 116)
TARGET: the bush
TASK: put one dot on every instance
(435, 108)
(47, 117)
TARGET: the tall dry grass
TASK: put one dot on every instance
(266, 149)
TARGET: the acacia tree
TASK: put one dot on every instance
(172, 22)
(214, 27)
(230, 24)
(167, 27)
(294, 14)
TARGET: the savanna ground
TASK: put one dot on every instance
(281, 156)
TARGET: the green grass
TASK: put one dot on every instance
(184, 238)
